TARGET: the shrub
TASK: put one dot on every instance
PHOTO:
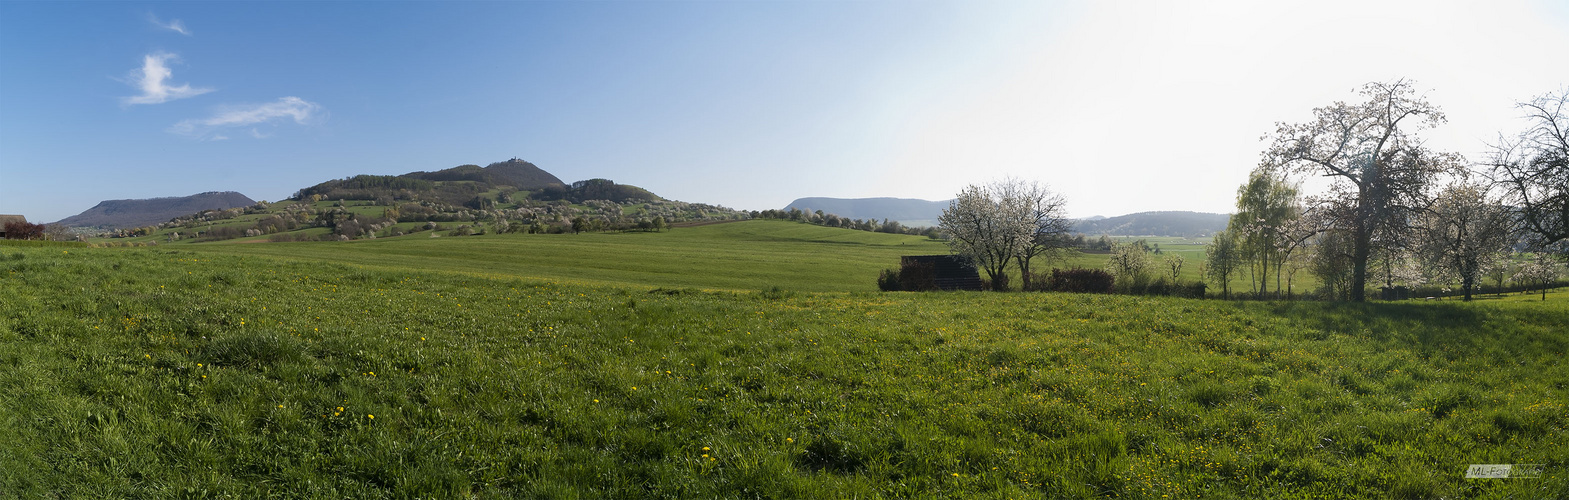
(918, 277)
(1038, 282)
(1081, 281)
(888, 281)
(1192, 290)
(1157, 287)
(21, 230)
(910, 277)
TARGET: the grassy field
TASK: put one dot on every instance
(750, 255)
(661, 259)
(186, 373)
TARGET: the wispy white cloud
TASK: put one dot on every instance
(174, 25)
(150, 79)
(298, 110)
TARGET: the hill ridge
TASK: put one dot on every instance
(125, 213)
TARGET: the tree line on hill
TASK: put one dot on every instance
(820, 218)
(1397, 214)
(350, 219)
(504, 197)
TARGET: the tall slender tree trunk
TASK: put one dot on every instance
(1360, 249)
(1263, 272)
(1361, 242)
(1024, 271)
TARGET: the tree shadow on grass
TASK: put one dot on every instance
(1417, 324)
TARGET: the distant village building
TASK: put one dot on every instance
(7, 219)
(943, 272)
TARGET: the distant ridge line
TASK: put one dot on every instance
(917, 212)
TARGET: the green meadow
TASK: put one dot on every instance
(745, 360)
(732, 256)
(749, 255)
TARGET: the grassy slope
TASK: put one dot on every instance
(748, 255)
(140, 372)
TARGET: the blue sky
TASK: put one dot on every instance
(1121, 106)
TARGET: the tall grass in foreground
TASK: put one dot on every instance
(153, 373)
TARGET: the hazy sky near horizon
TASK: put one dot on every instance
(1122, 106)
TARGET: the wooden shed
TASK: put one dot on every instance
(942, 272)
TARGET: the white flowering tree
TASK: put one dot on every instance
(1130, 263)
(1380, 169)
(1541, 272)
(1464, 231)
(1003, 222)
(985, 230)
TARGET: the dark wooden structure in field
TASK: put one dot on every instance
(941, 272)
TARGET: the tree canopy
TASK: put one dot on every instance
(1003, 222)
(1381, 170)
(1464, 232)
(1265, 205)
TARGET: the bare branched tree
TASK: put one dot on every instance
(1532, 168)
(1047, 217)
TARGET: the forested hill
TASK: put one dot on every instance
(116, 214)
(516, 173)
(1187, 224)
(474, 186)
